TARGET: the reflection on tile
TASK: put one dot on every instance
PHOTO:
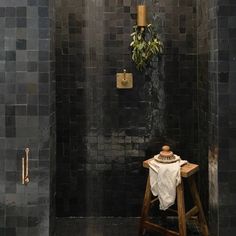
(104, 134)
(24, 109)
(115, 226)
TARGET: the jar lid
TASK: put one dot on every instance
(166, 152)
(166, 156)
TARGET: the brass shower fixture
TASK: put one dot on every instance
(124, 80)
(142, 15)
(25, 168)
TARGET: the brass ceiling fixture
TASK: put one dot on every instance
(142, 15)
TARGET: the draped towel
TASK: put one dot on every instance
(164, 178)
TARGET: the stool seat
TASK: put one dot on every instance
(187, 172)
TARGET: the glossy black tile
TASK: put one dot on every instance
(106, 226)
(98, 120)
(10, 22)
(2, 11)
(21, 22)
(21, 44)
(21, 11)
(21, 211)
(10, 11)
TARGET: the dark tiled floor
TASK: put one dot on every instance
(113, 226)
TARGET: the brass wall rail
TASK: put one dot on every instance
(25, 168)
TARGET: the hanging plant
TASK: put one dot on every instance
(145, 45)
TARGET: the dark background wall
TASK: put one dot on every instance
(222, 71)
(104, 134)
(202, 101)
(27, 111)
(224, 82)
(213, 120)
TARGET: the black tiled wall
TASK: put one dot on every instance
(27, 111)
(213, 120)
(201, 103)
(104, 134)
(222, 71)
(226, 102)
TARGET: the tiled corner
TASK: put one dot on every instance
(104, 134)
(25, 100)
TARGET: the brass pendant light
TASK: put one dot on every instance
(142, 15)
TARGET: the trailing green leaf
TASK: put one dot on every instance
(145, 45)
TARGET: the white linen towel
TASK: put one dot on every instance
(164, 178)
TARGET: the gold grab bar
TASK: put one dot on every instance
(25, 168)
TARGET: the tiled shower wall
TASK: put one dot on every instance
(104, 134)
(27, 115)
(213, 120)
(201, 102)
(224, 86)
(222, 122)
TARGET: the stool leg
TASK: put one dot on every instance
(197, 202)
(146, 206)
(181, 209)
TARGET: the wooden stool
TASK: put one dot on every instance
(187, 171)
